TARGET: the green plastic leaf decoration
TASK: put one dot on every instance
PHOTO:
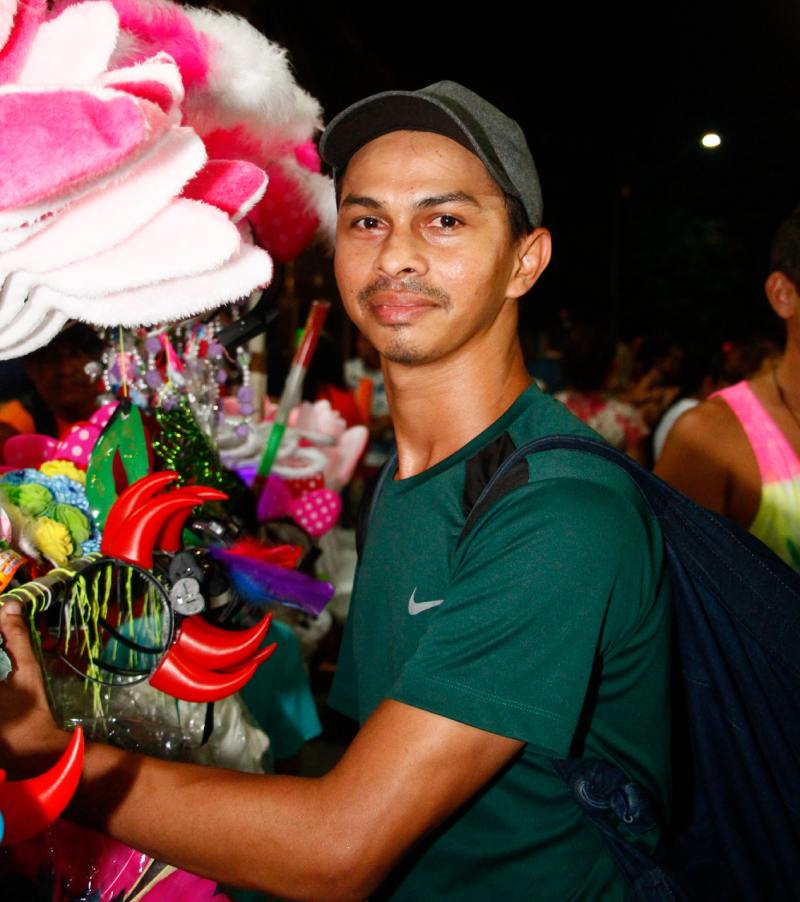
(123, 435)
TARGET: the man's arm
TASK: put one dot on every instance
(330, 838)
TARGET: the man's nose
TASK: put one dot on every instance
(402, 252)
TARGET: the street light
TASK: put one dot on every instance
(710, 140)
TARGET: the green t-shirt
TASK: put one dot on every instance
(549, 623)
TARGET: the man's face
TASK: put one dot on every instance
(423, 251)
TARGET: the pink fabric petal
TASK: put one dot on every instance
(107, 216)
(247, 270)
(61, 54)
(8, 9)
(29, 14)
(282, 220)
(154, 91)
(164, 26)
(22, 341)
(234, 186)
(54, 140)
(157, 80)
(185, 239)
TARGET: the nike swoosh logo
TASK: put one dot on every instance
(417, 607)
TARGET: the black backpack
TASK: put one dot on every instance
(735, 830)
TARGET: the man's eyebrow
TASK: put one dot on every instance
(453, 197)
(361, 200)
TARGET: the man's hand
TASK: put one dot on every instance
(29, 737)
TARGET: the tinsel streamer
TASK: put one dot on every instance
(182, 446)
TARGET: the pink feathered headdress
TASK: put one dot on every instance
(135, 145)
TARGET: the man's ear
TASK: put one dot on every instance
(782, 294)
(532, 256)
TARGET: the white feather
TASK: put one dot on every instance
(319, 194)
(250, 83)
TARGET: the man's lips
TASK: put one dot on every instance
(399, 307)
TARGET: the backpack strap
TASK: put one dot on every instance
(607, 796)
(503, 476)
(370, 500)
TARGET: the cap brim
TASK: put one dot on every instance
(394, 111)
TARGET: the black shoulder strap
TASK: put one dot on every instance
(490, 494)
(501, 480)
(369, 500)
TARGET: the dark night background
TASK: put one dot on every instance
(650, 230)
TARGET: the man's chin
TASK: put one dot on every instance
(404, 353)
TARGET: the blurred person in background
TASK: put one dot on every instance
(737, 453)
(588, 365)
(701, 372)
(62, 394)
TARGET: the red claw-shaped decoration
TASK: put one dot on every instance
(142, 519)
(30, 806)
(261, 656)
(169, 539)
(134, 497)
(188, 681)
(136, 541)
(215, 649)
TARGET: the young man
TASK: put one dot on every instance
(739, 452)
(544, 634)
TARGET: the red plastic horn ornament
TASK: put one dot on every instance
(260, 657)
(134, 540)
(30, 806)
(214, 648)
(135, 496)
(169, 539)
(188, 681)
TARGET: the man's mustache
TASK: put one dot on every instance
(411, 285)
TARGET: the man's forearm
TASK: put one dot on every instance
(276, 834)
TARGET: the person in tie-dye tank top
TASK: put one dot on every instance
(739, 452)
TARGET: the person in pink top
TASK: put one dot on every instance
(739, 452)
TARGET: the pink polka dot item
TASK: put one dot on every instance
(316, 511)
(102, 415)
(77, 444)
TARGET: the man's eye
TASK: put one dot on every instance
(367, 222)
(448, 222)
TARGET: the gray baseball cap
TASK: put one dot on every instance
(448, 109)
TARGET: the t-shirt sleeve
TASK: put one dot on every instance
(550, 580)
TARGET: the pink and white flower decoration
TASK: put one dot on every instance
(111, 211)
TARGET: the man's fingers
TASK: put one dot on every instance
(16, 640)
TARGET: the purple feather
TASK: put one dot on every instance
(259, 583)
